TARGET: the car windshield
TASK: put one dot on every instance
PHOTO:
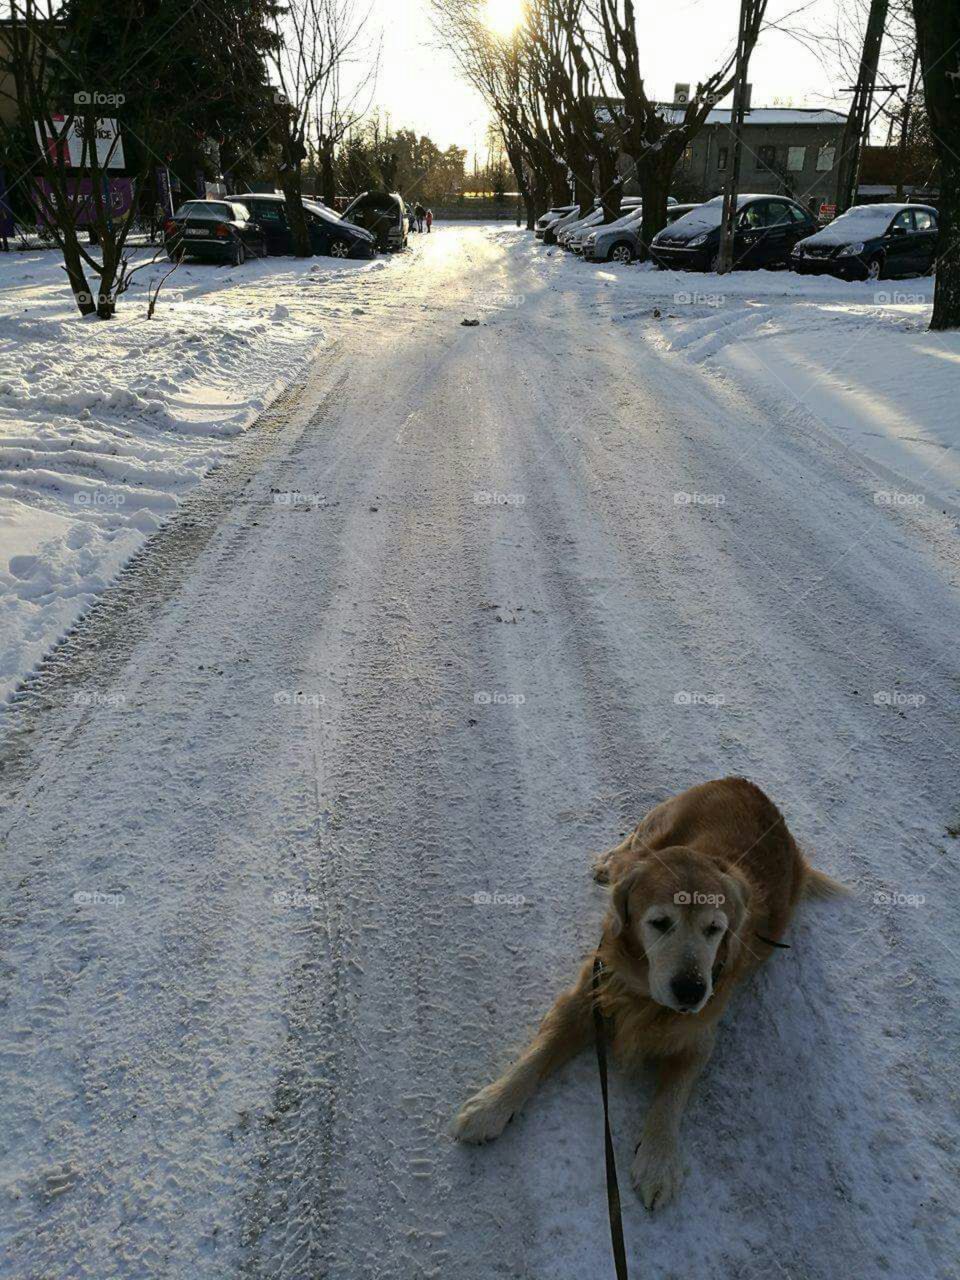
(203, 209)
(860, 223)
(321, 211)
(705, 217)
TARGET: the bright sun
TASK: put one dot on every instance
(504, 16)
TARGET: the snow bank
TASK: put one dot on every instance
(104, 426)
(853, 358)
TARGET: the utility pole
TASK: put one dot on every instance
(731, 188)
(857, 128)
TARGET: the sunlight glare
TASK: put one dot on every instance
(503, 17)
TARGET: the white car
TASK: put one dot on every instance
(618, 241)
(630, 207)
(552, 233)
(582, 224)
(606, 243)
(550, 217)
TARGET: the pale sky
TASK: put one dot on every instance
(422, 89)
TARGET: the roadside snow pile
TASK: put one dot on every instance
(104, 426)
(853, 358)
(856, 359)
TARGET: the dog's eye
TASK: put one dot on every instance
(662, 925)
(712, 930)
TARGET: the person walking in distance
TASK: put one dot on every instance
(429, 220)
(418, 213)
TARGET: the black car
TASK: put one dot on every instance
(677, 211)
(872, 240)
(329, 234)
(214, 230)
(382, 213)
(766, 229)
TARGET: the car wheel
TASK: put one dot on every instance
(239, 255)
(874, 269)
(176, 255)
(621, 253)
(715, 262)
(340, 249)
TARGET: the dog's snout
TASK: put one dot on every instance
(688, 990)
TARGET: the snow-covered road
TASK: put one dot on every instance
(298, 822)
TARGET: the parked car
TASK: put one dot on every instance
(552, 231)
(329, 234)
(214, 230)
(550, 217)
(619, 241)
(675, 211)
(870, 241)
(565, 238)
(384, 215)
(766, 229)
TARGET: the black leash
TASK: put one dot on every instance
(613, 1187)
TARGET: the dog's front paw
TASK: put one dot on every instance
(484, 1116)
(601, 868)
(657, 1174)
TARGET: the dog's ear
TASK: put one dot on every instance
(736, 905)
(619, 918)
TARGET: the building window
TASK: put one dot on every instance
(796, 158)
(687, 158)
(722, 154)
(766, 157)
(825, 159)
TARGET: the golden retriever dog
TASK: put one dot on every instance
(701, 890)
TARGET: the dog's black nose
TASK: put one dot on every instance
(688, 990)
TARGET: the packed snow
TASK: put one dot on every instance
(298, 823)
(105, 426)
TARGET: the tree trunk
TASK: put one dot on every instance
(290, 185)
(328, 178)
(611, 188)
(938, 30)
(946, 296)
(75, 273)
(654, 174)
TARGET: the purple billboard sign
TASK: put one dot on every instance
(80, 191)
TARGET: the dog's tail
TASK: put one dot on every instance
(817, 884)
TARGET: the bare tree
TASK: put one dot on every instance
(315, 38)
(938, 35)
(55, 59)
(653, 137)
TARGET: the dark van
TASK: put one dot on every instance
(384, 214)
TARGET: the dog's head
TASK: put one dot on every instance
(681, 914)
